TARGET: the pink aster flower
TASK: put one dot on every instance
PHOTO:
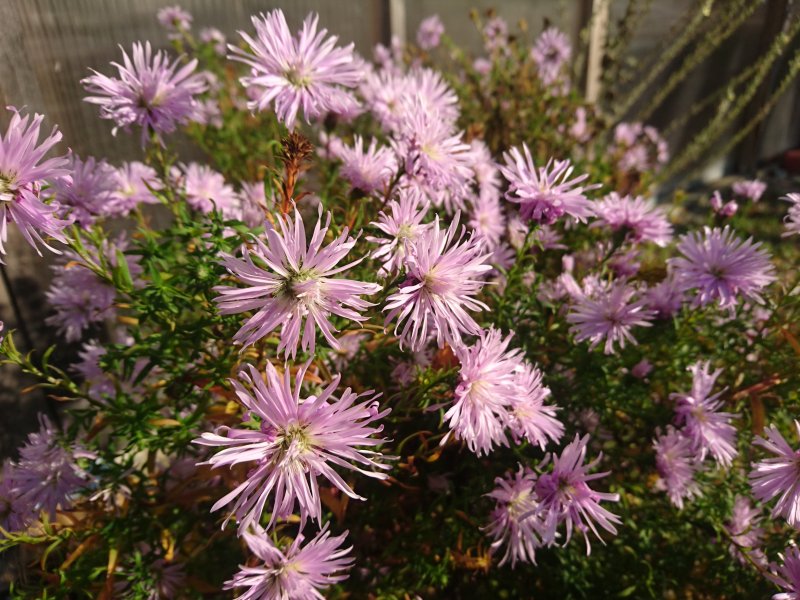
(299, 440)
(23, 172)
(487, 386)
(13, 515)
(514, 519)
(487, 220)
(296, 285)
(750, 189)
(403, 224)
(430, 32)
(746, 534)
(787, 575)
(778, 476)
(443, 277)
(206, 190)
(609, 315)
(368, 171)
(545, 194)
(495, 34)
(565, 496)
(86, 191)
(150, 92)
(175, 20)
(676, 464)
(134, 184)
(305, 73)
(792, 219)
(722, 267)
(530, 417)
(665, 298)
(641, 220)
(698, 411)
(551, 52)
(213, 36)
(298, 572)
(46, 475)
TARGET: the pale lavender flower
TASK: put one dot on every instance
(433, 94)
(368, 171)
(304, 73)
(550, 52)
(13, 515)
(46, 475)
(495, 34)
(296, 285)
(79, 298)
(86, 191)
(487, 220)
(545, 194)
(792, 219)
(430, 32)
(150, 92)
(98, 382)
(676, 464)
(722, 208)
(638, 148)
(580, 130)
(746, 534)
(787, 575)
(299, 440)
(515, 522)
(22, 174)
(487, 386)
(665, 298)
(254, 203)
(750, 189)
(207, 191)
(722, 267)
(530, 417)
(213, 36)
(609, 316)
(642, 369)
(135, 183)
(433, 154)
(383, 92)
(641, 220)
(403, 224)
(298, 572)
(565, 496)
(207, 112)
(175, 20)
(698, 411)
(444, 276)
(778, 476)
(482, 66)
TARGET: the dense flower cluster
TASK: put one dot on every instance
(384, 273)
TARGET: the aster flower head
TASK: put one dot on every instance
(150, 92)
(430, 32)
(676, 464)
(514, 518)
(175, 20)
(369, 171)
(403, 223)
(722, 267)
(753, 189)
(86, 191)
(609, 315)
(551, 52)
(46, 475)
(545, 194)
(665, 298)
(134, 184)
(487, 220)
(746, 534)
(213, 36)
(444, 274)
(487, 386)
(565, 496)
(299, 440)
(305, 73)
(778, 476)
(13, 516)
(432, 152)
(787, 575)
(206, 190)
(291, 281)
(709, 430)
(792, 219)
(495, 34)
(300, 571)
(530, 417)
(640, 219)
(23, 172)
